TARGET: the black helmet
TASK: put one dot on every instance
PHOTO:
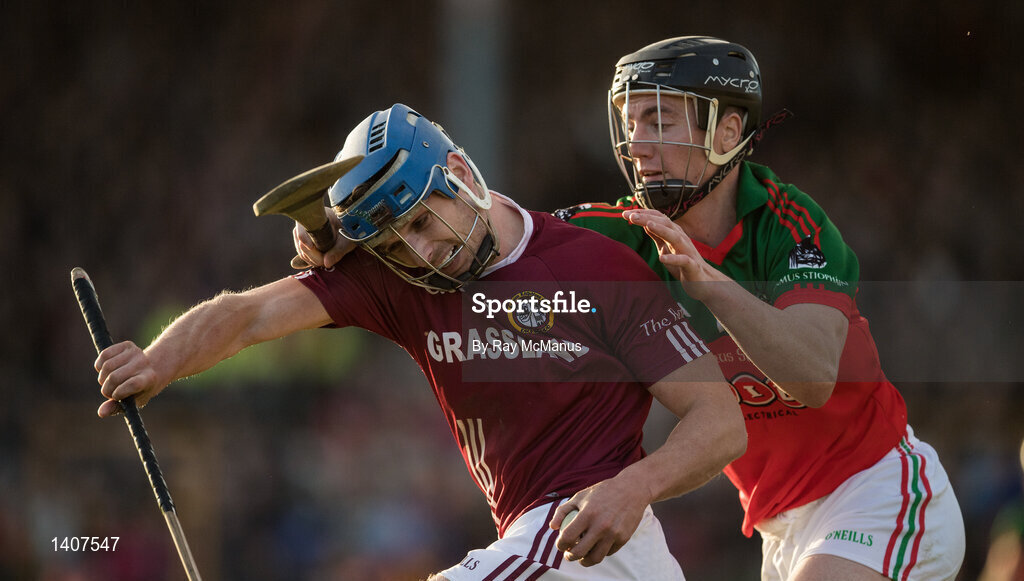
(714, 75)
(703, 65)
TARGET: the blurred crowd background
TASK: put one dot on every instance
(136, 136)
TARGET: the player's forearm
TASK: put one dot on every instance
(706, 439)
(798, 350)
(221, 327)
(202, 337)
(205, 335)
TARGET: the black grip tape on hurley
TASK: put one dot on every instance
(323, 237)
(90, 305)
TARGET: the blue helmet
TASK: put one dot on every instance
(405, 159)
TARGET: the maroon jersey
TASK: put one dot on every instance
(546, 398)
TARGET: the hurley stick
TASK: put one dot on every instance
(90, 304)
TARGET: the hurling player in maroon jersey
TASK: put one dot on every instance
(545, 398)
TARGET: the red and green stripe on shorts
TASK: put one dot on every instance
(905, 542)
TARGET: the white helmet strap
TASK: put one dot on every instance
(709, 139)
(483, 201)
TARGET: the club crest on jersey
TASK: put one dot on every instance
(806, 254)
(565, 214)
(530, 317)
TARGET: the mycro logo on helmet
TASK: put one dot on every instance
(634, 68)
(747, 85)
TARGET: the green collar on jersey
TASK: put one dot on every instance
(751, 193)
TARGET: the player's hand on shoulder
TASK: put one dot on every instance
(307, 251)
(677, 251)
(124, 370)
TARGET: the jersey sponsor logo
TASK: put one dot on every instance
(746, 85)
(657, 325)
(768, 414)
(678, 332)
(812, 276)
(806, 254)
(753, 391)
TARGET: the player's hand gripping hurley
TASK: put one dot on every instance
(90, 304)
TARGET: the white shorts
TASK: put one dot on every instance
(528, 553)
(899, 517)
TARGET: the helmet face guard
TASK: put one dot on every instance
(423, 273)
(669, 195)
(405, 161)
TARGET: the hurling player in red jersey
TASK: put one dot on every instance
(544, 344)
(833, 479)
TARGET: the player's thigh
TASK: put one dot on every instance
(899, 518)
(832, 568)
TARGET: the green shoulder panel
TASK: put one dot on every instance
(787, 243)
(799, 246)
(607, 219)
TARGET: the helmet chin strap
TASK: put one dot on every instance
(483, 201)
(483, 256)
(709, 138)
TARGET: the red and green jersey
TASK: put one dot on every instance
(785, 251)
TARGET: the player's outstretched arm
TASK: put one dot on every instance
(709, 435)
(798, 348)
(205, 335)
